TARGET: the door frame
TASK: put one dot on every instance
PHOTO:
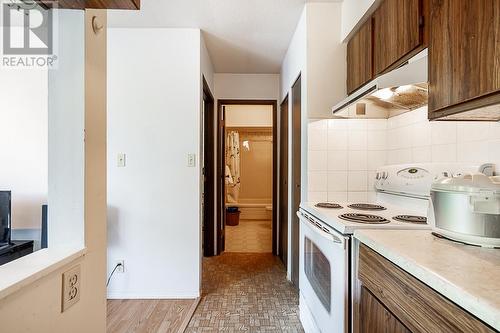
(296, 169)
(208, 172)
(220, 176)
(283, 180)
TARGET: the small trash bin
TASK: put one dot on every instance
(232, 216)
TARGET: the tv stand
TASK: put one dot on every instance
(16, 250)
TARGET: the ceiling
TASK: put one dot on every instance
(242, 36)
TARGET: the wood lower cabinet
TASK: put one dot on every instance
(393, 301)
(376, 318)
(397, 30)
(464, 57)
(359, 58)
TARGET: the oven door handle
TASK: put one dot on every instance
(319, 229)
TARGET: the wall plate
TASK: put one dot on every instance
(71, 287)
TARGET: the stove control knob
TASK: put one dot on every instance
(377, 177)
(385, 175)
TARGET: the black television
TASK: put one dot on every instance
(5, 218)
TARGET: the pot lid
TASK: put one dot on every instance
(477, 182)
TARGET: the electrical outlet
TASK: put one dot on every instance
(121, 268)
(71, 287)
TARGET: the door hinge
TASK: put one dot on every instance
(421, 21)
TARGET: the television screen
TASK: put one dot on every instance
(5, 217)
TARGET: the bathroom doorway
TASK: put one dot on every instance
(247, 174)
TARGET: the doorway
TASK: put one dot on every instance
(283, 183)
(296, 177)
(208, 172)
(246, 195)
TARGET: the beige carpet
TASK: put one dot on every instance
(246, 292)
(250, 236)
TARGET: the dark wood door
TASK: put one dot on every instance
(464, 55)
(283, 183)
(375, 318)
(359, 58)
(397, 31)
(209, 226)
(296, 177)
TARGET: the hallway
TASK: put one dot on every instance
(246, 292)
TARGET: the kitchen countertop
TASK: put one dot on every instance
(467, 275)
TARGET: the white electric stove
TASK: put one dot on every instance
(328, 265)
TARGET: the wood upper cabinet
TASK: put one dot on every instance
(359, 58)
(393, 301)
(93, 4)
(464, 58)
(397, 31)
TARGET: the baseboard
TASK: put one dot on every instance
(151, 296)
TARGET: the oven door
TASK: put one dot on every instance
(324, 274)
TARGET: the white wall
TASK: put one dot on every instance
(354, 12)
(246, 86)
(326, 59)
(23, 143)
(344, 154)
(249, 116)
(154, 202)
(66, 134)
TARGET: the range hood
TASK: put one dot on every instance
(398, 91)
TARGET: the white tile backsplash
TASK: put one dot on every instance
(337, 139)
(338, 160)
(376, 140)
(443, 132)
(317, 181)
(317, 160)
(344, 153)
(358, 160)
(357, 181)
(317, 135)
(444, 153)
(337, 181)
(357, 139)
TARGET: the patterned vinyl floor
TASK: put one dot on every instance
(250, 236)
(246, 292)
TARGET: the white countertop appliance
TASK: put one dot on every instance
(466, 208)
(328, 254)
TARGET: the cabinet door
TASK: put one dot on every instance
(397, 32)
(375, 318)
(464, 55)
(359, 58)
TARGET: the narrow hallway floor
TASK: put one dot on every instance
(246, 292)
(250, 236)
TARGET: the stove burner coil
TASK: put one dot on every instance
(411, 219)
(362, 206)
(363, 218)
(328, 205)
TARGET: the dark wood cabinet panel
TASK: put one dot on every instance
(397, 31)
(360, 58)
(93, 4)
(418, 307)
(464, 56)
(376, 318)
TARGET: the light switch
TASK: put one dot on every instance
(191, 160)
(121, 160)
